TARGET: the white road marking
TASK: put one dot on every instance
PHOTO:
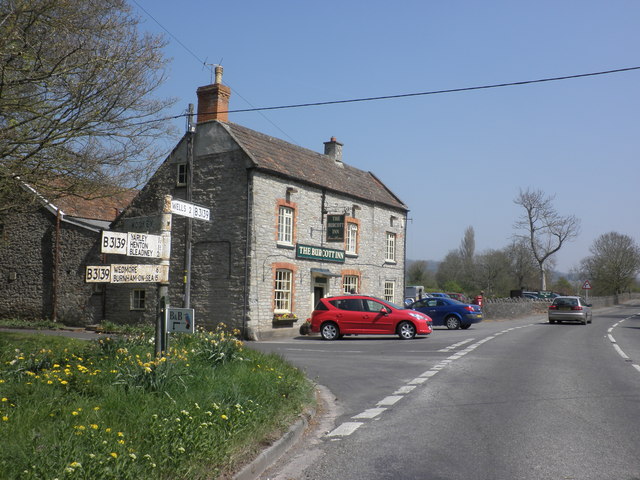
(620, 352)
(404, 390)
(370, 413)
(390, 400)
(347, 428)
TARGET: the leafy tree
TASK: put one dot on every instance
(544, 230)
(613, 264)
(492, 273)
(419, 274)
(76, 111)
(522, 265)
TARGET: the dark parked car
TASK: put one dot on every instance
(570, 309)
(449, 312)
(334, 317)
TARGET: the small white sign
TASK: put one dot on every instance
(114, 242)
(189, 210)
(130, 273)
(144, 245)
(98, 274)
(180, 320)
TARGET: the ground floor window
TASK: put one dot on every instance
(138, 299)
(282, 291)
(350, 284)
(389, 290)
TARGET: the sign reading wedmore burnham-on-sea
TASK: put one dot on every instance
(319, 253)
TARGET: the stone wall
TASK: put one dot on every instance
(521, 307)
(27, 254)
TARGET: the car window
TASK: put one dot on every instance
(441, 303)
(432, 302)
(373, 306)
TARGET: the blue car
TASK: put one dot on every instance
(448, 312)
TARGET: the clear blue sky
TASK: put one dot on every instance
(458, 159)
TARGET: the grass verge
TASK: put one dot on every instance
(110, 409)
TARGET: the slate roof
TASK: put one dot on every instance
(287, 160)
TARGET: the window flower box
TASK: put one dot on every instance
(284, 319)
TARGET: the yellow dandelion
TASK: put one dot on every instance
(74, 413)
(114, 454)
(5, 418)
(224, 417)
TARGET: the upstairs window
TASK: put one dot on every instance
(352, 238)
(285, 225)
(390, 250)
(181, 174)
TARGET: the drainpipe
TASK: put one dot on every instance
(247, 253)
(56, 262)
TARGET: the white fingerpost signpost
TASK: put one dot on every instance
(141, 243)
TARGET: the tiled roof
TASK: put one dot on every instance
(282, 158)
(101, 208)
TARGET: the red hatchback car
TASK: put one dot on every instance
(334, 317)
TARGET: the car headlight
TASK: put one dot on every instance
(417, 316)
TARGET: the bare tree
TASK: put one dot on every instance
(523, 266)
(545, 231)
(613, 264)
(76, 110)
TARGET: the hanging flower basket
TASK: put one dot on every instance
(284, 319)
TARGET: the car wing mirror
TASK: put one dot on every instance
(384, 311)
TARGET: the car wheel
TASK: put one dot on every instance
(406, 330)
(452, 322)
(464, 326)
(552, 321)
(584, 322)
(329, 331)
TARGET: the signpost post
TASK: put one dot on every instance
(586, 286)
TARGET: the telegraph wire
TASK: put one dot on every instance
(415, 94)
(206, 65)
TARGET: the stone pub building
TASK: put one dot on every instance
(288, 226)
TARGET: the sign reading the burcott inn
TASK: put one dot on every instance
(319, 253)
(335, 228)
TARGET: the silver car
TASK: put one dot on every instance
(570, 309)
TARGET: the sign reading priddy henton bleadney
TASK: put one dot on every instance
(319, 253)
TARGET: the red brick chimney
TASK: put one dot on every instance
(213, 100)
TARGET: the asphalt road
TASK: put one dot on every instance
(513, 400)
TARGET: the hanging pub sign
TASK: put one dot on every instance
(335, 228)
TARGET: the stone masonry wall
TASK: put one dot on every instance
(27, 253)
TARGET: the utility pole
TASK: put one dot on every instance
(189, 222)
(163, 287)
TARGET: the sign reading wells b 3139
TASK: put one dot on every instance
(190, 210)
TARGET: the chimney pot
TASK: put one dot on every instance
(213, 100)
(333, 149)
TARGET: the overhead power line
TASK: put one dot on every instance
(416, 94)
(435, 92)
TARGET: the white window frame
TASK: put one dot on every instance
(285, 225)
(389, 290)
(138, 299)
(352, 238)
(390, 248)
(282, 290)
(181, 174)
(350, 282)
